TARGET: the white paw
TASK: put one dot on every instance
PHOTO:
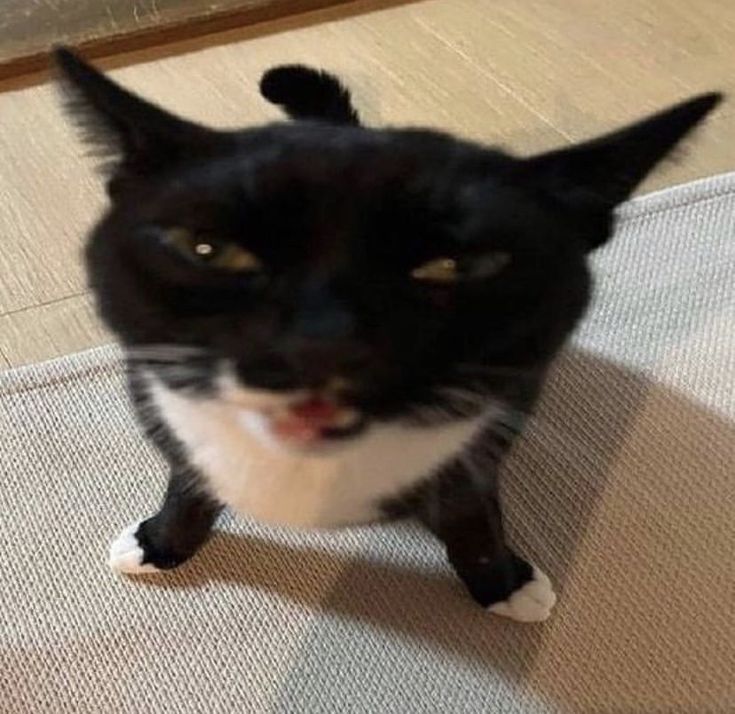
(531, 603)
(126, 555)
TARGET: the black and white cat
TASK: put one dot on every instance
(327, 324)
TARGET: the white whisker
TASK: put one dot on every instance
(164, 353)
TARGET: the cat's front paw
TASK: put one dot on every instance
(128, 552)
(532, 602)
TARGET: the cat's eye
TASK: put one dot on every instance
(211, 251)
(440, 271)
(445, 271)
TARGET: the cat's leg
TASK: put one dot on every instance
(463, 511)
(172, 535)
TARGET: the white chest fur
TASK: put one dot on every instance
(342, 486)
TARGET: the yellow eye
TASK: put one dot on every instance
(210, 251)
(440, 270)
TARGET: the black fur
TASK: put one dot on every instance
(305, 93)
(340, 215)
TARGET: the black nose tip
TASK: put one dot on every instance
(332, 324)
(320, 313)
(270, 371)
(300, 363)
(324, 360)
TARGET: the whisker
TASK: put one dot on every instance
(502, 430)
(165, 353)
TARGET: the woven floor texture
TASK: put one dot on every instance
(623, 490)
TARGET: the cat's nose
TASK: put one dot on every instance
(320, 361)
(333, 323)
(301, 363)
(321, 315)
(270, 371)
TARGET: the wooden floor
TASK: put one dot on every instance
(528, 75)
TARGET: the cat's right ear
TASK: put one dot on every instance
(136, 138)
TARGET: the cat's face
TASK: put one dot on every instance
(393, 268)
(328, 276)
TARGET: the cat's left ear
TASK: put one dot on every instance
(595, 176)
(136, 137)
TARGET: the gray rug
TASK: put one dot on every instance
(623, 491)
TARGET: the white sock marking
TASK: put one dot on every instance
(126, 555)
(532, 602)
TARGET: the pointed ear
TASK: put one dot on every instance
(136, 137)
(599, 174)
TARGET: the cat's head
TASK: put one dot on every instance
(326, 274)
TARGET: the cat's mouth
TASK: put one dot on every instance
(314, 418)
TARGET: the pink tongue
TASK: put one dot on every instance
(305, 421)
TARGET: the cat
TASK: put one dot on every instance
(327, 324)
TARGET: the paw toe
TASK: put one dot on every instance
(127, 555)
(532, 602)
